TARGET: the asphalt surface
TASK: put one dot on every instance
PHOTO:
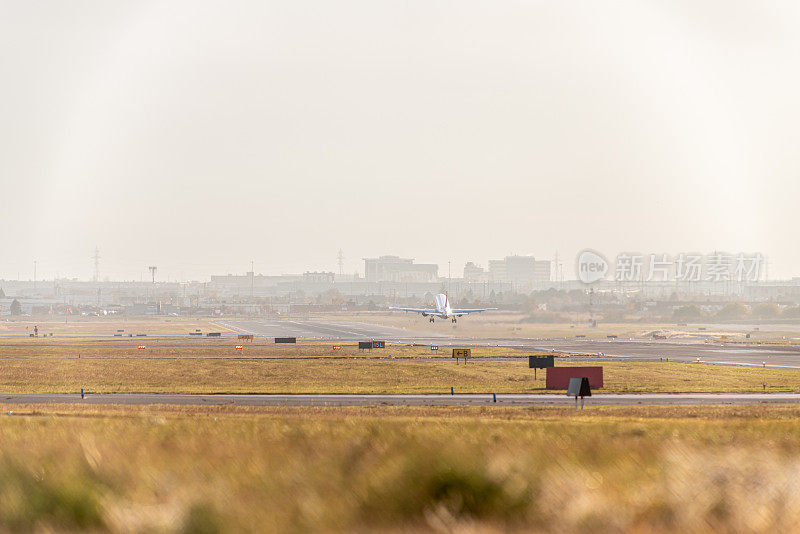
(506, 399)
(751, 356)
(692, 350)
(326, 330)
(776, 357)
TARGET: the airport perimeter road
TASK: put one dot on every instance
(645, 399)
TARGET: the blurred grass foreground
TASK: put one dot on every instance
(228, 469)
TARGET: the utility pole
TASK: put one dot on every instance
(448, 278)
(96, 258)
(559, 271)
(340, 257)
(555, 267)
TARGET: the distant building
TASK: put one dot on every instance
(498, 271)
(321, 277)
(475, 273)
(541, 270)
(519, 270)
(236, 282)
(397, 269)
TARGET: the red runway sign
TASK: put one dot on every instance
(558, 377)
(141, 347)
(239, 347)
(337, 347)
(434, 347)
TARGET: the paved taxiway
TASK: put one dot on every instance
(770, 356)
(776, 357)
(638, 350)
(506, 399)
(326, 330)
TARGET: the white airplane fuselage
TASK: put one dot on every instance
(443, 309)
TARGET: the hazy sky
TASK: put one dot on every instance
(198, 136)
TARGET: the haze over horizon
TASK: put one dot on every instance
(199, 136)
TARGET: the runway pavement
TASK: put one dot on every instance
(644, 399)
(770, 356)
(327, 330)
(777, 357)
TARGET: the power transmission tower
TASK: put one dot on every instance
(559, 274)
(96, 258)
(340, 257)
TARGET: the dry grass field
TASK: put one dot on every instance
(225, 469)
(225, 348)
(198, 469)
(94, 326)
(306, 368)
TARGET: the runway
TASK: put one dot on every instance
(327, 330)
(776, 357)
(507, 400)
(769, 356)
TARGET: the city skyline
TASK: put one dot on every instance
(569, 269)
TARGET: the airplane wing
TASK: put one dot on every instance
(429, 311)
(471, 310)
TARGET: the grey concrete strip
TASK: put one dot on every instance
(404, 400)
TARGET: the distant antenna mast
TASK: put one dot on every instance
(153, 269)
(447, 293)
(96, 258)
(559, 274)
(340, 257)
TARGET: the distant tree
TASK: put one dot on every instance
(16, 308)
(766, 310)
(688, 314)
(577, 295)
(2, 293)
(791, 313)
(529, 305)
(732, 312)
(331, 296)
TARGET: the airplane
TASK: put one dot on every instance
(442, 310)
